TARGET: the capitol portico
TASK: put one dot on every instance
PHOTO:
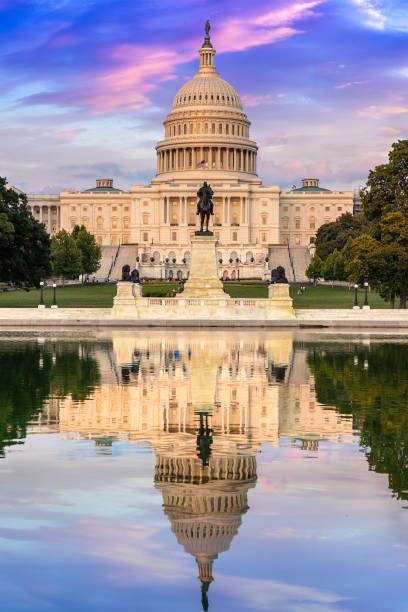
(206, 137)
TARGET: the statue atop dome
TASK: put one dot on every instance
(207, 28)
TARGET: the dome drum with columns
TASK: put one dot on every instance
(206, 124)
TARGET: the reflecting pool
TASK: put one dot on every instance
(188, 471)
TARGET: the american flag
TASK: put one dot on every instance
(201, 164)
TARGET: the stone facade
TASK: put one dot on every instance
(206, 137)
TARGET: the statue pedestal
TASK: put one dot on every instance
(203, 280)
(278, 294)
(127, 296)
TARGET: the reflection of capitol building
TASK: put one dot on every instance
(151, 388)
(206, 137)
(205, 402)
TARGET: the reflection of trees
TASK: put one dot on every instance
(30, 373)
(372, 385)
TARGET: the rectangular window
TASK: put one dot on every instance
(145, 237)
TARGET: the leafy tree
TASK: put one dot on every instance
(6, 231)
(65, 256)
(24, 243)
(383, 263)
(315, 268)
(386, 190)
(89, 249)
(328, 265)
(335, 235)
(339, 267)
(358, 258)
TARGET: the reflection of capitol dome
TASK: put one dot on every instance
(205, 500)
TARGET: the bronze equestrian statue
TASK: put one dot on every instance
(205, 206)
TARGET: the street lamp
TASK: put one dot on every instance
(41, 304)
(54, 299)
(366, 306)
(356, 306)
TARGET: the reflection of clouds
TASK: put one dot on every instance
(49, 501)
(273, 595)
(130, 545)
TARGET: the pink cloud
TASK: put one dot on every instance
(66, 134)
(377, 112)
(140, 69)
(350, 84)
(267, 28)
(252, 100)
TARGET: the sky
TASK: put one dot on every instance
(87, 84)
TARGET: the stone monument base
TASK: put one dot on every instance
(203, 281)
(129, 303)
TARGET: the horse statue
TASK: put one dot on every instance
(205, 206)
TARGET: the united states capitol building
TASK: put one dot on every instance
(206, 137)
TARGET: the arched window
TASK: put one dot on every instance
(312, 223)
(179, 129)
(185, 128)
(285, 223)
(227, 128)
(99, 222)
(213, 128)
(232, 129)
(145, 218)
(249, 256)
(205, 128)
(220, 128)
(114, 223)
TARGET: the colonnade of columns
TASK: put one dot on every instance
(50, 215)
(228, 210)
(215, 158)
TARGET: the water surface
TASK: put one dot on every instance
(203, 470)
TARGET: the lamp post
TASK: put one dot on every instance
(41, 304)
(54, 299)
(366, 306)
(356, 306)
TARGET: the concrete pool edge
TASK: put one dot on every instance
(103, 317)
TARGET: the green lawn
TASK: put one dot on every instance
(102, 296)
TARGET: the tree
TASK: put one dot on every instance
(328, 266)
(65, 256)
(315, 268)
(339, 267)
(358, 258)
(383, 263)
(24, 243)
(386, 189)
(90, 251)
(335, 235)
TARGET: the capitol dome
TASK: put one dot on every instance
(207, 128)
(207, 91)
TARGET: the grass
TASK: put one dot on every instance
(98, 296)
